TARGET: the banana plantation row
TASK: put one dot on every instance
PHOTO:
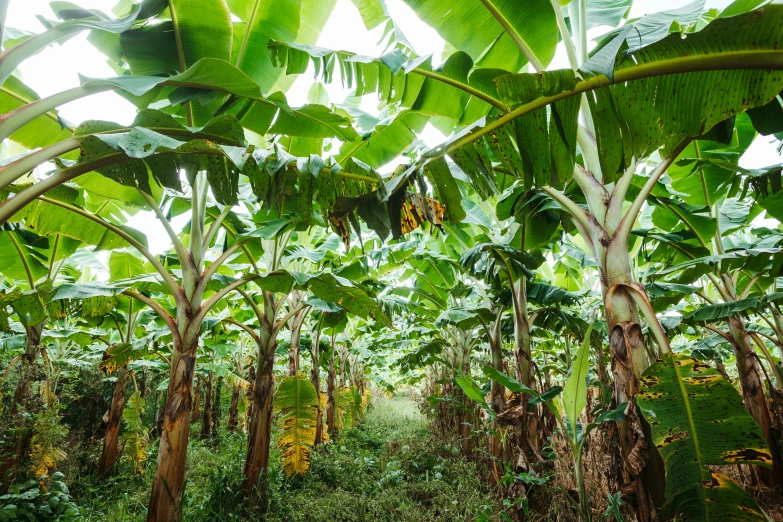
(583, 270)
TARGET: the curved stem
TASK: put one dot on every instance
(26, 265)
(182, 254)
(738, 60)
(463, 87)
(13, 205)
(768, 356)
(566, 35)
(754, 280)
(253, 305)
(213, 228)
(13, 171)
(626, 224)
(204, 309)
(245, 327)
(3, 14)
(12, 121)
(212, 269)
(167, 318)
(288, 316)
(595, 193)
(724, 293)
(53, 255)
(571, 207)
(154, 261)
(12, 58)
(233, 235)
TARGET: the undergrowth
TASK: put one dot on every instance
(389, 468)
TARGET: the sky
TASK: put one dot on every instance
(344, 31)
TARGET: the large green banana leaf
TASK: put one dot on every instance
(76, 20)
(698, 420)
(272, 20)
(493, 32)
(456, 89)
(677, 88)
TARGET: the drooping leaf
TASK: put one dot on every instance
(532, 23)
(297, 401)
(118, 355)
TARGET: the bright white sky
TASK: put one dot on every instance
(344, 31)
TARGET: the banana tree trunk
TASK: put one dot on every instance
(343, 366)
(233, 410)
(606, 228)
(206, 417)
(524, 361)
(110, 441)
(296, 342)
(749, 371)
(315, 379)
(160, 403)
(167, 487)
(196, 401)
(330, 383)
(216, 407)
(498, 392)
(778, 329)
(629, 360)
(251, 378)
(12, 454)
(445, 409)
(260, 428)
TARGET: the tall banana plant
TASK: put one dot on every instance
(638, 100)
(274, 286)
(33, 259)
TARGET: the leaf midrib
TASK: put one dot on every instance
(250, 22)
(514, 34)
(51, 115)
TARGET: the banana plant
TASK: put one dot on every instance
(271, 317)
(573, 401)
(34, 299)
(116, 358)
(534, 136)
(327, 318)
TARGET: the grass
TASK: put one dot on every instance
(389, 468)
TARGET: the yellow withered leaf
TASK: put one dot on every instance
(297, 402)
(416, 209)
(340, 226)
